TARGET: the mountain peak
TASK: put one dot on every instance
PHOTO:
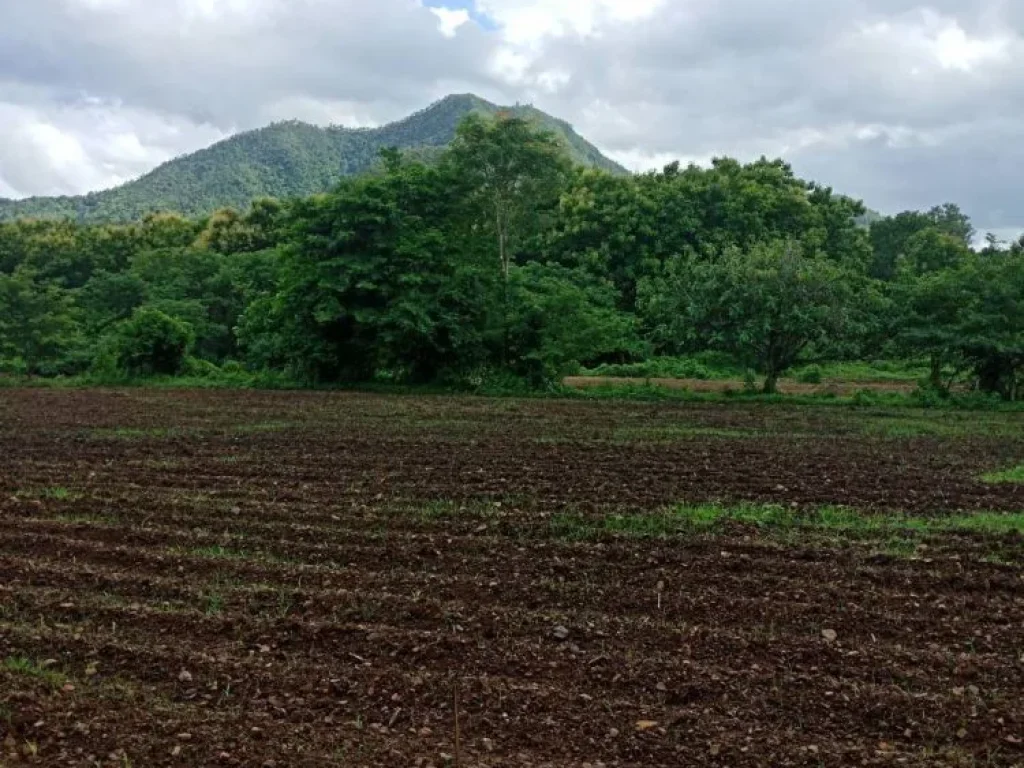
(285, 159)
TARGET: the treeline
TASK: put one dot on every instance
(499, 260)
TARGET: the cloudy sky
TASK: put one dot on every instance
(904, 103)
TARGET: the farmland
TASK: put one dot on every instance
(193, 578)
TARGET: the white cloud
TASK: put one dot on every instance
(449, 19)
(904, 102)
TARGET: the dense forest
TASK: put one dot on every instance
(500, 259)
(290, 159)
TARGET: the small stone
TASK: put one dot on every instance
(185, 676)
(661, 687)
(830, 635)
(176, 751)
(645, 725)
(184, 736)
(560, 632)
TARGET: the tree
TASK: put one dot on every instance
(560, 318)
(374, 280)
(108, 298)
(152, 343)
(37, 323)
(511, 173)
(932, 250)
(969, 316)
(892, 236)
(765, 305)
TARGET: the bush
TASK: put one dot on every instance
(152, 343)
(13, 366)
(812, 374)
(200, 369)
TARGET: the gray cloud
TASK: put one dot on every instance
(906, 103)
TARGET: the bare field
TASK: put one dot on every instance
(193, 578)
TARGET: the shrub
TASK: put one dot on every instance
(812, 374)
(152, 343)
(200, 369)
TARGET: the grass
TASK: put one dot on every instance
(708, 518)
(628, 392)
(896, 426)
(712, 366)
(22, 665)
(218, 552)
(674, 432)
(1013, 475)
(213, 604)
(57, 493)
(53, 493)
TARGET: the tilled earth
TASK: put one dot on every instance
(193, 578)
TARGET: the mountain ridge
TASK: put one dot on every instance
(284, 159)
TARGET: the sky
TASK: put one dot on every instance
(902, 103)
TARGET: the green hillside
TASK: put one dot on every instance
(282, 160)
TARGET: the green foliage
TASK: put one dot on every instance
(765, 306)
(627, 229)
(969, 317)
(1013, 475)
(701, 366)
(151, 343)
(371, 281)
(485, 259)
(37, 323)
(895, 237)
(511, 175)
(811, 374)
(558, 319)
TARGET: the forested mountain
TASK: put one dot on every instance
(289, 159)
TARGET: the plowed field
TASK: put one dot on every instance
(193, 578)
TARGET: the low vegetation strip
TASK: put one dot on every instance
(1012, 475)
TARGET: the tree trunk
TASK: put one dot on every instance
(771, 382)
(935, 373)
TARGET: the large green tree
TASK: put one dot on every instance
(765, 305)
(373, 281)
(510, 173)
(37, 323)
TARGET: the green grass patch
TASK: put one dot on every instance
(1013, 475)
(58, 493)
(266, 426)
(677, 432)
(219, 553)
(925, 423)
(53, 493)
(137, 433)
(710, 518)
(22, 665)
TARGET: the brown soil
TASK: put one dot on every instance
(308, 579)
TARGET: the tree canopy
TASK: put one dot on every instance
(497, 257)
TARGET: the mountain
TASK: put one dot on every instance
(284, 160)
